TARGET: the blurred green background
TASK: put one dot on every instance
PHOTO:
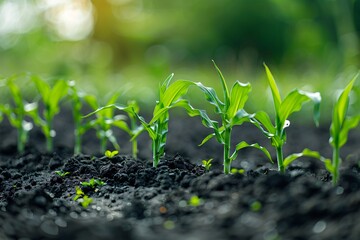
(132, 45)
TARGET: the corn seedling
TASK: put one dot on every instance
(93, 183)
(51, 98)
(111, 154)
(283, 109)
(232, 113)
(80, 125)
(340, 126)
(105, 120)
(170, 96)
(132, 109)
(17, 114)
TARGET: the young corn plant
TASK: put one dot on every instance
(51, 98)
(17, 114)
(283, 109)
(232, 113)
(340, 126)
(170, 96)
(104, 121)
(80, 125)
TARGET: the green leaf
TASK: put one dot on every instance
(264, 119)
(349, 123)
(223, 85)
(211, 97)
(207, 138)
(15, 92)
(59, 91)
(241, 116)
(43, 88)
(175, 91)
(165, 85)
(244, 144)
(339, 114)
(239, 96)
(294, 101)
(92, 101)
(329, 166)
(305, 153)
(274, 89)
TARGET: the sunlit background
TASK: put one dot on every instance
(132, 45)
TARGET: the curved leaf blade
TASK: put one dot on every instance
(274, 89)
(305, 153)
(293, 102)
(244, 144)
(239, 96)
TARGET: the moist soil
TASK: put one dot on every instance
(142, 202)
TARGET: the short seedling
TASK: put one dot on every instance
(17, 113)
(340, 126)
(195, 201)
(51, 98)
(111, 154)
(62, 173)
(92, 183)
(232, 113)
(283, 109)
(104, 121)
(80, 197)
(207, 164)
(132, 109)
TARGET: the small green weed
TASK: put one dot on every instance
(92, 183)
(111, 154)
(207, 164)
(62, 173)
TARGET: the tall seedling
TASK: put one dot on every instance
(170, 96)
(232, 113)
(340, 126)
(283, 109)
(51, 98)
(80, 125)
(17, 114)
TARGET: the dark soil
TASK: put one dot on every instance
(141, 202)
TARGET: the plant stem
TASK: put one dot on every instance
(227, 145)
(21, 140)
(49, 137)
(336, 163)
(134, 149)
(77, 147)
(102, 144)
(155, 152)
(280, 159)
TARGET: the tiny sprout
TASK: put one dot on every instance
(239, 171)
(207, 164)
(79, 193)
(256, 206)
(111, 154)
(85, 201)
(195, 201)
(62, 173)
(92, 183)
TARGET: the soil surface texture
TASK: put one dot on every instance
(178, 200)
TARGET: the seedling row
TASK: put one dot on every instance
(229, 105)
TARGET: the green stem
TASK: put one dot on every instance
(336, 164)
(103, 144)
(134, 148)
(49, 138)
(280, 159)
(21, 140)
(227, 145)
(77, 147)
(155, 153)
